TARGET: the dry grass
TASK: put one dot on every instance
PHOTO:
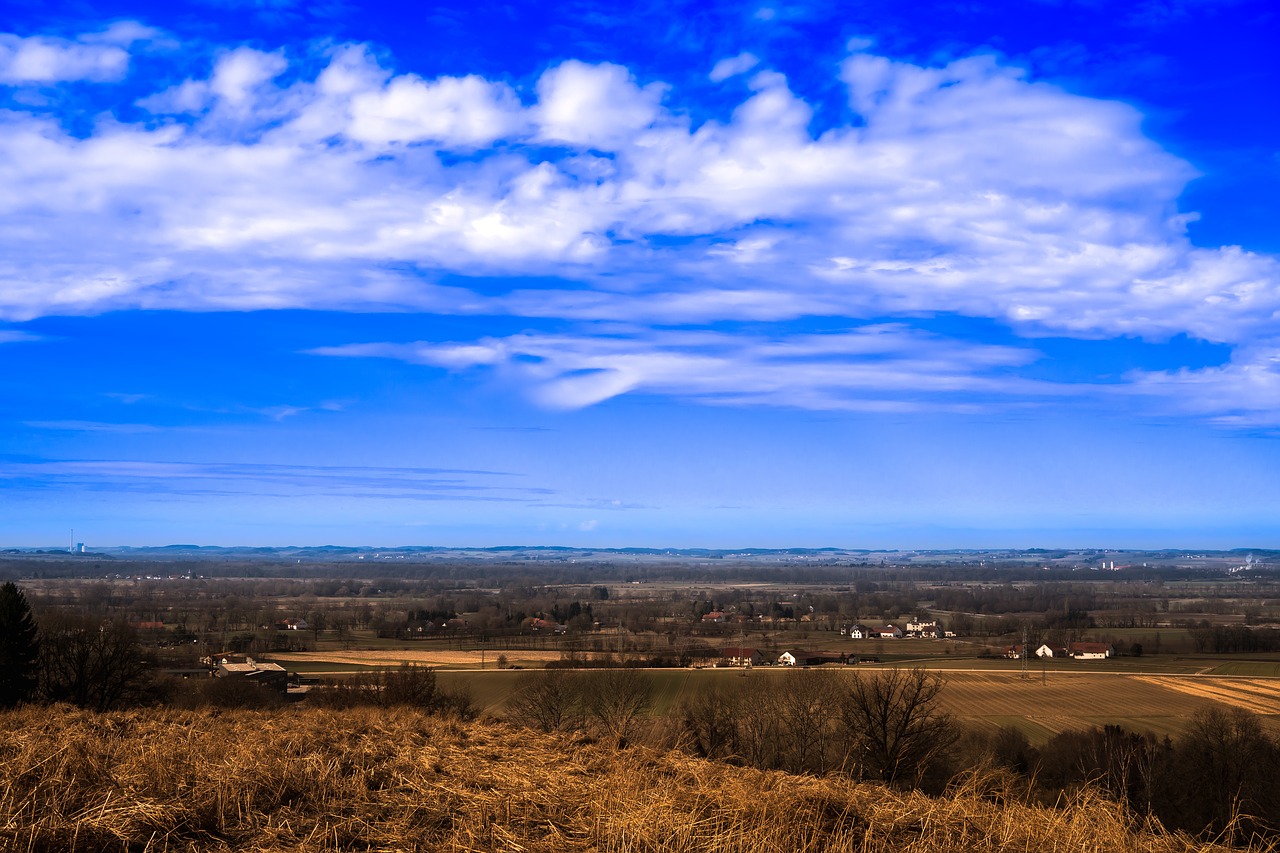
(315, 780)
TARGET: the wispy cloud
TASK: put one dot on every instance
(92, 426)
(873, 368)
(274, 480)
(14, 336)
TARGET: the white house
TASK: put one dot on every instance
(1090, 651)
(924, 629)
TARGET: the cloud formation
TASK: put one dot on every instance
(876, 368)
(966, 189)
(164, 479)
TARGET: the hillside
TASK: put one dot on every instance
(314, 780)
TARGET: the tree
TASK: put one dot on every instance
(808, 701)
(895, 726)
(709, 720)
(93, 664)
(1227, 774)
(616, 699)
(19, 648)
(549, 700)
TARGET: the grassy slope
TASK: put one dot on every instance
(312, 780)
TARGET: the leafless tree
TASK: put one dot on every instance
(759, 723)
(894, 725)
(809, 703)
(550, 700)
(616, 699)
(93, 664)
(709, 722)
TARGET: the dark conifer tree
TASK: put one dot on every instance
(19, 647)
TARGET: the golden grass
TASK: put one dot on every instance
(372, 780)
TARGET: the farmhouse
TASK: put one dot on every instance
(1090, 651)
(714, 616)
(923, 629)
(269, 675)
(803, 657)
(887, 632)
(741, 657)
(856, 631)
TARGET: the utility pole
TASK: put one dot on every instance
(1025, 651)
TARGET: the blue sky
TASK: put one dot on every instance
(589, 274)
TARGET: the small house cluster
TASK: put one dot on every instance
(744, 657)
(1077, 651)
(915, 629)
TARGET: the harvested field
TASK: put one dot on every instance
(307, 780)
(427, 657)
(1065, 702)
(1261, 696)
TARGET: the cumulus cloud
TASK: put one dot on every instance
(965, 188)
(43, 60)
(594, 106)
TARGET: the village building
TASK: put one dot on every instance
(268, 675)
(735, 656)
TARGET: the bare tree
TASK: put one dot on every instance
(616, 699)
(809, 702)
(92, 664)
(1228, 781)
(760, 723)
(895, 726)
(709, 721)
(550, 700)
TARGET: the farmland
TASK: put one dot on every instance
(1063, 702)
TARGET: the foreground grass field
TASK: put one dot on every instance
(375, 780)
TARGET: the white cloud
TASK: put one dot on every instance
(874, 368)
(1243, 393)
(733, 66)
(594, 106)
(964, 189)
(455, 111)
(43, 59)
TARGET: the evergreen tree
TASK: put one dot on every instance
(19, 647)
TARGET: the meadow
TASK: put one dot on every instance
(302, 780)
